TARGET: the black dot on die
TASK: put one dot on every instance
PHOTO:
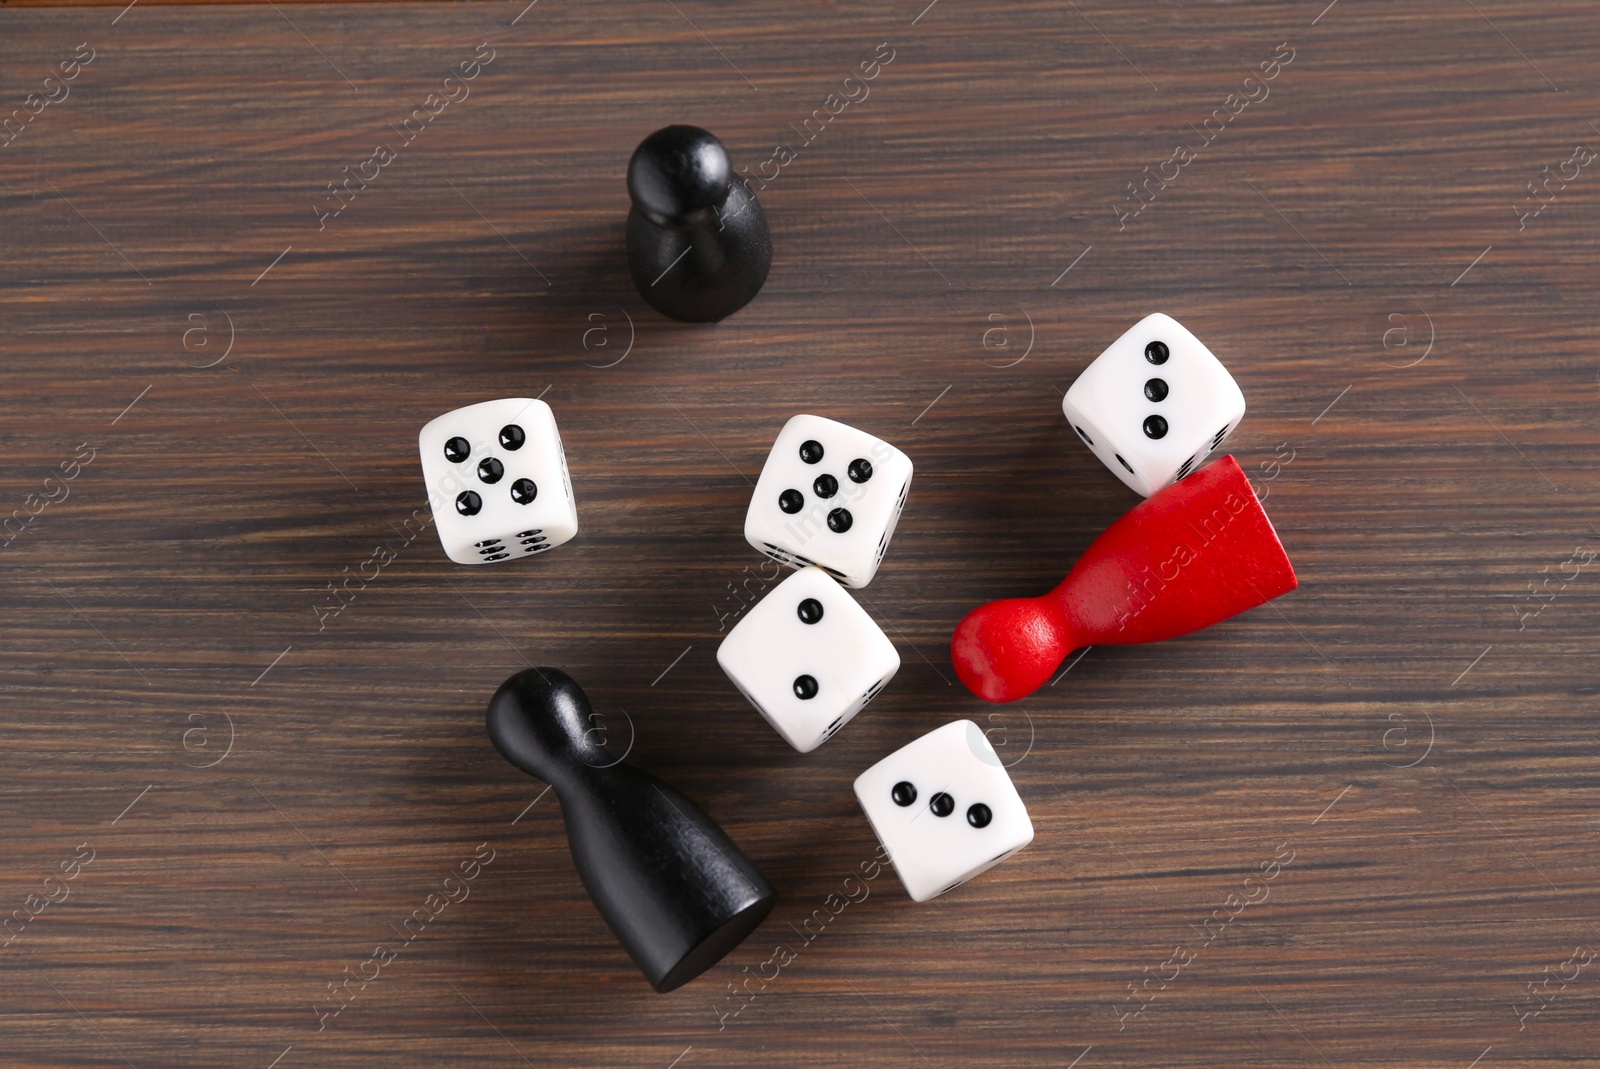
(942, 804)
(498, 556)
(1156, 352)
(457, 449)
(468, 503)
(1125, 464)
(1082, 434)
(1155, 427)
(490, 470)
(860, 470)
(805, 687)
(512, 436)
(978, 815)
(839, 521)
(825, 486)
(1155, 390)
(809, 611)
(903, 793)
(524, 491)
(791, 501)
(811, 451)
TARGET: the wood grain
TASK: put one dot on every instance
(1421, 375)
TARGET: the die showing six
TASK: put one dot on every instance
(829, 495)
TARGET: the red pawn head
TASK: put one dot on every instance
(1189, 556)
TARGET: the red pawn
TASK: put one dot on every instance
(1187, 557)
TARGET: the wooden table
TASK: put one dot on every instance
(1355, 827)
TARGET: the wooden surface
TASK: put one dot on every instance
(1405, 749)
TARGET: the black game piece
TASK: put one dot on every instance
(674, 888)
(698, 246)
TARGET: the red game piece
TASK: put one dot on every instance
(1190, 556)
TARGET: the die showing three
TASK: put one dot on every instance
(1154, 404)
(945, 809)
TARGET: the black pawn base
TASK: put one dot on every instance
(713, 948)
(706, 273)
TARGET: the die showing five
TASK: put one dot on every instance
(502, 496)
(829, 495)
(825, 486)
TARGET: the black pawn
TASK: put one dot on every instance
(674, 888)
(698, 246)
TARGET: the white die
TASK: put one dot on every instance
(828, 495)
(808, 658)
(1154, 404)
(497, 481)
(944, 808)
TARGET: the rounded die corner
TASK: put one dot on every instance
(978, 744)
(857, 582)
(1159, 317)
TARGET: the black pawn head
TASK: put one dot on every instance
(679, 176)
(541, 721)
